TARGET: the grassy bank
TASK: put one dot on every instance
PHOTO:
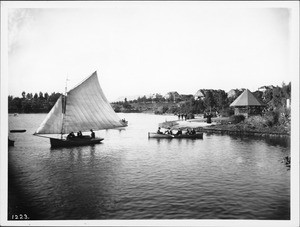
(254, 126)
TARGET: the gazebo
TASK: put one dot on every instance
(247, 104)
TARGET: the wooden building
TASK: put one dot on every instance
(247, 104)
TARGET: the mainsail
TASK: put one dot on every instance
(86, 107)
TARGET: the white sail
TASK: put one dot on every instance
(86, 108)
(53, 121)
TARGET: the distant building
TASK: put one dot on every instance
(247, 104)
(199, 95)
(231, 93)
(172, 96)
(234, 92)
(265, 88)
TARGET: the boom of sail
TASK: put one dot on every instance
(85, 107)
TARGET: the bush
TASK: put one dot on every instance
(161, 110)
(271, 117)
(227, 112)
(237, 119)
(190, 116)
(117, 109)
(284, 117)
(256, 121)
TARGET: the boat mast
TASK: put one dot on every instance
(64, 108)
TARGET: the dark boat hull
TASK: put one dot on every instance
(194, 136)
(75, 142)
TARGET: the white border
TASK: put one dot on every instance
(294, 70)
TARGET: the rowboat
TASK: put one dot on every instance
(168, 136)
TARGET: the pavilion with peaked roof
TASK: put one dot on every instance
(247, 104)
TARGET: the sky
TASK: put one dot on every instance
(138, 48)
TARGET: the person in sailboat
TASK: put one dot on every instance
(92, 134)
(79, 134)
(71, 135)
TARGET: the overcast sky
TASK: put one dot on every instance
(148, 47)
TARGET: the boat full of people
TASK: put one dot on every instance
(180, 134)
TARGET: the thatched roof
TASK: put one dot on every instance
(247, 99)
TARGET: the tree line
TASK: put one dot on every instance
(213, 101)
(29, 103)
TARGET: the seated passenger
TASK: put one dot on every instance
(79, 134)
(179, 132)
(92, 134)
(193, 132)
(71, 135)
(158, 131)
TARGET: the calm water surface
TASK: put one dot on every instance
(129, 176)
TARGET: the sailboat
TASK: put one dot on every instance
(83, 108)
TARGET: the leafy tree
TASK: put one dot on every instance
(41, 96)
(46, 96)
(209, 101)
(29, 96)
(23, 94)
(221, 101)
(277, 97)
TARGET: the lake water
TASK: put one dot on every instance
(129, 176)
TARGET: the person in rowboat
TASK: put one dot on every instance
(158, 131)
(169, 132)
(179, 132)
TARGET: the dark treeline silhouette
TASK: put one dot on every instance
(212, 101)
(29, 103)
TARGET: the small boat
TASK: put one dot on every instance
(83, 108)
(158, 135)
(17, 130)
(168, 136)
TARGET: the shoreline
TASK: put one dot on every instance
(200, 125)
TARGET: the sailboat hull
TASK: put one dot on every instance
(74, 142)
